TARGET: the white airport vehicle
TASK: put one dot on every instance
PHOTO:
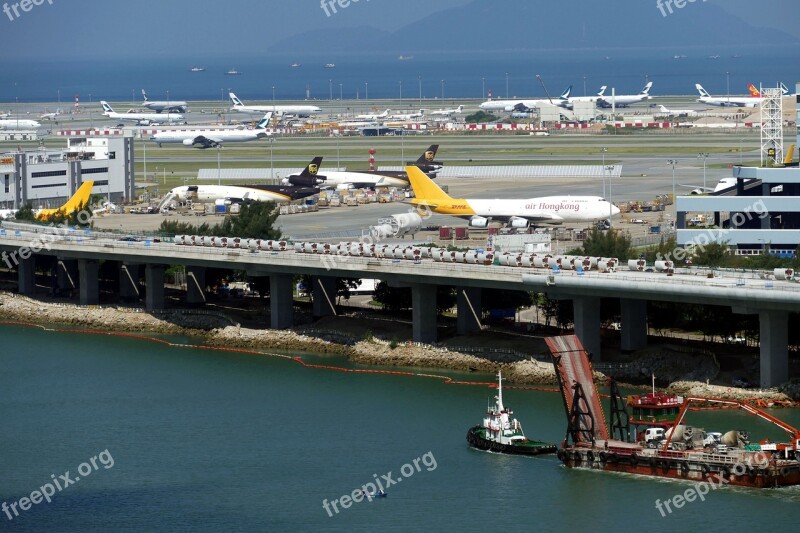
(211, 138)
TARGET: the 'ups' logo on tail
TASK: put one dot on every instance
(429, 155)
(313, 169)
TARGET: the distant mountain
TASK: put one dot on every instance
(483, 25)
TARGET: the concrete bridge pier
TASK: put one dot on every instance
(774, 327)
(423, 302)
(67, 275)
(88, 271)
(324, 296)
(281, 301)
(154, 291)
(129, 288)
(26, 275)
(587, 324)
(195, 285)
(634, 324)
(468, 319)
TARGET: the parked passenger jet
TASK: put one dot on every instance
(289, 109)
(624, 100)
(380, 116)
(211, 138)
(18, 124)
(141, 118)
(676, 112)
(50, 116)
(447, 112)
(515, 213)
(170, 105)
(344, 180)
(521, 104)
(408, 116)
(753, 100)
(572, 100)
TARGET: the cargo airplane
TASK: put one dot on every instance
(342, 180)
(212, 138)
(288, 109)
(170, 105)
(143, 119)
(515, 213)
(753, 100)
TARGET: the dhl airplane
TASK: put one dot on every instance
(78, 201)
(516, 213)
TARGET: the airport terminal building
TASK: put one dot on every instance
(759, 214)
(47, 178)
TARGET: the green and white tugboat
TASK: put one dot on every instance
(502, 433)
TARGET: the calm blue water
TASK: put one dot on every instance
(212, 441)
(462, 74)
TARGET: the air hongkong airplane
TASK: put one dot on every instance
(297, 110)
(624, 100)
(141, 118)
(211, 138)
(79, 200)
(517, 104)
(170, 105)
(516, 213)
(365, 178)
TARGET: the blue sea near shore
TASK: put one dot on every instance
(453, 75)
(205, 440)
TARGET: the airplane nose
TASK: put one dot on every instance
(614, 210)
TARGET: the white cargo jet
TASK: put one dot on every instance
(211, 138)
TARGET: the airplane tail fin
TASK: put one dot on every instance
(602, 90)
(144, 95)
(264, 122)
(106, 108)
(235, 100)
(312, 168)
(646, 90)
(460, 109)
(784, 88)
(566, 93)
(428, 155)
(425, 190)
(755, 93)
(789, 155)
(663, 109)
(703, 92)
(78, 201)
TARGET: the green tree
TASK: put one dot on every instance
(255, 220)
(479, 117)
(26, 213)
(607, 244)
(713, 254)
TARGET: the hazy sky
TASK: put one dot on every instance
(94, 28)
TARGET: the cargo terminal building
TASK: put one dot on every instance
(47, 178)
(759, 214)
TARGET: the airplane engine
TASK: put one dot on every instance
(188, 142)
(508, 108)
(303, 181)
(344, 186)
(519, 223)
(479, 222)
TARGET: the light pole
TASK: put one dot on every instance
(401, 92)
(728, 84)
(603, 153)
(483, 87)
(330, 91)
(273, 98)
(704, 157)
(219, 178)
(610, 201)
(673, 162)
(340, 93)
(584, 86)
(506, 85)
(442, 89)
(271, 158)
(419, 80)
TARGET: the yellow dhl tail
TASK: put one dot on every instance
(789, 156)
(426, 192)
(78, 201)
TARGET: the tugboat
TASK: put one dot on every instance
(503, 434)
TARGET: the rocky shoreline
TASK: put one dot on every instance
(215, 329)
